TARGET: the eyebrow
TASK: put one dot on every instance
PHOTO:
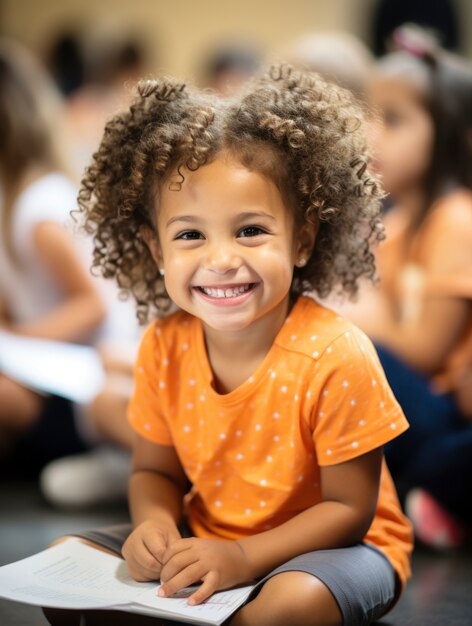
(182, 218)
(241, 216)
(256, 214)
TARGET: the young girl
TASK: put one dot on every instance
(260, 416)
(421, 318)
(45, 288)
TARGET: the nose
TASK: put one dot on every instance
(221, 258)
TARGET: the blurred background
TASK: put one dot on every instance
(177, 36)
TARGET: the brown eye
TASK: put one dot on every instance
(251, 231)
(189, 235)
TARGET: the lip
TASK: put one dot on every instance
(225, 301)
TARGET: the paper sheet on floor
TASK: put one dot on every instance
(74, 575)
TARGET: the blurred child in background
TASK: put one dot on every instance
(338, 56)
(111, 61)
(45, 289)
(421, 316)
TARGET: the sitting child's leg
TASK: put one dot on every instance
(355, 585)
(294, 598)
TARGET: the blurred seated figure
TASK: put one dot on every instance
(46, 291)
(337, 56)
(420, 317)
(113, 62)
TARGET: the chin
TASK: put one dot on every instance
(227, 325)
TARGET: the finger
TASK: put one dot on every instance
(190, 575)
(155, 545)
(145, 562)
(141, 573)
(176, 547)
(177, 563)
(206, 589)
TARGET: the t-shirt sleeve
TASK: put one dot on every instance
(356, 410)
(144, 410)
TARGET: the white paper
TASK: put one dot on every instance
(69, 370)
(74, 575)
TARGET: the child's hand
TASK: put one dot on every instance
(145, 548)
(219, 564)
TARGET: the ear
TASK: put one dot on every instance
(150, 239)
(306, 239)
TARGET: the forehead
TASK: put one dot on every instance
(223, 184)
(395, 90)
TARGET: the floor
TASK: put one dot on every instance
(440, 593)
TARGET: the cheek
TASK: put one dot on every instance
(178, 272)
(405, 156)
(277, 261)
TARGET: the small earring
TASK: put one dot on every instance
(161, 271)
(301, 262)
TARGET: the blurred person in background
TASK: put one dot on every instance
(338, 56)
(440, 17)
(66, 63)
(111, 61)
(227, 67)
(421, 316)
(45, 289)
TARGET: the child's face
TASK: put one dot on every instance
(227, 245)
(403, 140)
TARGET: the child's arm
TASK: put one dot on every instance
(81, 310)
(425, 343)
(350, 493)
(156, 490)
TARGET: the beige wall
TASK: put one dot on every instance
(178, 32)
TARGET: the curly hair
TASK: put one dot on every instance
(303, 133)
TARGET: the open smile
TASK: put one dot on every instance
(226, 291)
(233, 294)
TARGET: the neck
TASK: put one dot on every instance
(243, 350)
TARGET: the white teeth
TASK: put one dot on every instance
(226, 293)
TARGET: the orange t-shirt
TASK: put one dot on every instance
(253, 455)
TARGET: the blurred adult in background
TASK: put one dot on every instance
(338, 56)
(45, 289)
(421, 316)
